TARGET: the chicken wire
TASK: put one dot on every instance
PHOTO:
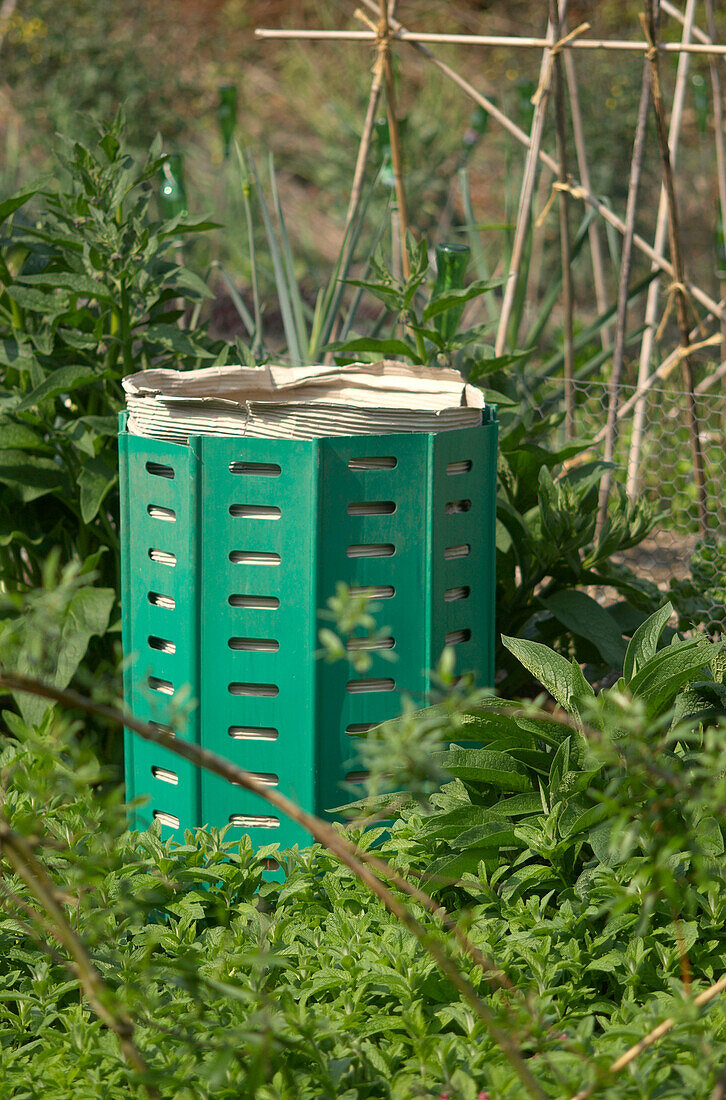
(675, 556)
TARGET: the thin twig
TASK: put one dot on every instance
(524, 210)
(575, 187)
(18, 853)
(557, 17)
(362, 864)
(636, 166)
(678, 290)
(659, 244)
(652, 1037)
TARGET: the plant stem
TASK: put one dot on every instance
(384, 46)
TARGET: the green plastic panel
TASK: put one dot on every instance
(230, 548)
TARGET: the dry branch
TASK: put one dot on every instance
(557, 17)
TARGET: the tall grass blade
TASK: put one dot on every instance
(296, 301)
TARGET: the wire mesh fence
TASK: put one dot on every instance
(675, 556)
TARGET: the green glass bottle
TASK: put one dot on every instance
(701, 101)
(720, 243)
(227, 114)
(452, 260)
(173, 195)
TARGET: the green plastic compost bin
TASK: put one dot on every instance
(231, 546)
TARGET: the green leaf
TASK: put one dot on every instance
(379, 347)
(480, 765)
(86, 615)
(20, 437)
(9, 206)
(452, 298)
(552, 670)
(584, 616)
(61, 380)
(30, 476)
(661, 678)
(76, 283)
(644, 643)
(95, 481)
(490, 834)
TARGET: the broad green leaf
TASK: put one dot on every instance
(30, 476)
(644, 643)
(87, 615)
(579, 821)
(76, 283)
(451, 868)
(62, 380)
(450, 825)
(480, 765)
(20, 437)
(490, 834)
(661, 678)
(9, 206)
(174, 339)
(552, 670)
(96, 480)
(584, 616)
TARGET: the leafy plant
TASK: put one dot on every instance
(92, 287)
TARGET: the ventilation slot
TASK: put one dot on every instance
(358, 729)
(254, 821)
(157, 512)
(451, 553)
(161, 644)
(451, 595)
(268, 778)
(374, 591)
(157, 600)
(372, 550)
(256, 603)
(383, 463)
(356, 687)
(254, 511)
(163, 557)
(372, 508)
(165, 776)
(254, 645)
(456, 507)
(356, 777)
(458, 637)
(164, 686)
(355, 645)
(159, 470)
(458, 467)
(253, 733)
(166, 819)
(159, 728)
(255, 469)
(259, 691)
(253, 557)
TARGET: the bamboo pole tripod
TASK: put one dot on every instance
(558, 80)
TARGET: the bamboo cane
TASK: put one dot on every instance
(524, 210)
(575, 187)
(636, 167)
(678, 290)
(498, 40)
(557, 18)
(659, 244)
(593, 232)
(718, 126)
